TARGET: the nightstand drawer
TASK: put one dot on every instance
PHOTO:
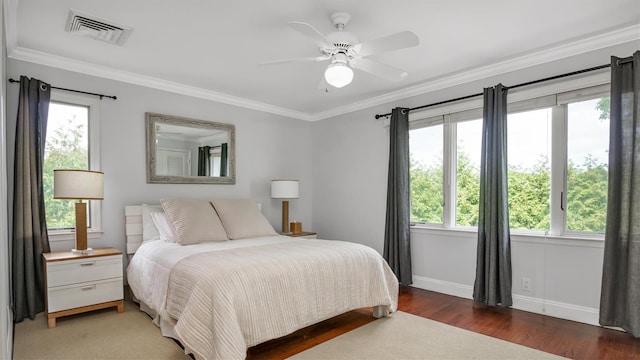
(83, 270)
(89, 293)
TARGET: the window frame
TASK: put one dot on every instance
(564, 99)
(95, 207)
(557, 96)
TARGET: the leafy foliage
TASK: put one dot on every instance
(426, 192)
(64, 150)
(604, 106)
(587, 196)
(529, 195)
(467, 191)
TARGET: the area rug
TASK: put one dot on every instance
(102, 334)
(404, 336)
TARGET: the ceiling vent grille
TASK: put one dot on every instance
(95, 28)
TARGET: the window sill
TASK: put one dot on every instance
(538, 237)
(67, 235)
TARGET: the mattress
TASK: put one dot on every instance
(220, 298)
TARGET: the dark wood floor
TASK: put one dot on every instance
(562, 337)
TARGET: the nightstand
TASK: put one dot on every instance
(303, 235)
(78, 283)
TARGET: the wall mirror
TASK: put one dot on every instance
(189, 151)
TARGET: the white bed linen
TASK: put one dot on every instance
(219, 320)
(149, 269)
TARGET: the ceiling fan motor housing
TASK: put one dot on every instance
(343, 40)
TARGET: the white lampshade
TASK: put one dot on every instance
(284, 189)
(78, 184)
(338, 74)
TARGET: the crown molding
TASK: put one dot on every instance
(557, 52)
(554, 53)
(82, 67)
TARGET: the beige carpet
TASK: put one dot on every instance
(105, 334)
(405, 336)
(102, 334)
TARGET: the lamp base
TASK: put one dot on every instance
(285, 216)
(85, 251)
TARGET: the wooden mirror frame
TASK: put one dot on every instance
(152, 119)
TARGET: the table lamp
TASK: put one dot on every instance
(284, 189)
(79, 185)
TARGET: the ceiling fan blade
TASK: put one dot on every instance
(313, 33)
(310, 58)
(379, 69)
(397, 41)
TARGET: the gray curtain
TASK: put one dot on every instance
(29, 238)
(204, 161)
(493, 264)
(620, 296)
(397, 241)
(223, 159)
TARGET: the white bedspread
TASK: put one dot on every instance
(225, 297)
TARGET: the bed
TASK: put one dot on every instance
(215, 275)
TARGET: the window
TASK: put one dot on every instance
(71, 143)
(529, 169)
(67, 147)
(587, 164)
(557, 163)
(469, 144)
(426, 172)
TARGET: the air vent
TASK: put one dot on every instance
(96, 28)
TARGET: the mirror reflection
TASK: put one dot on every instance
(181, 150)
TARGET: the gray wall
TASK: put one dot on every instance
(350, 156)
(6, 316)
(267, 147)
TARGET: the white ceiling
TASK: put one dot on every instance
(211, 49)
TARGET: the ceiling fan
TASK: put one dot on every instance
(346, 52)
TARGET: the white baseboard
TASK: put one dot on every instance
(445, 287)
(557, 309)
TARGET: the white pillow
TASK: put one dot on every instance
(164, 226)
(242, 218)
(193, 221)
(149, 229)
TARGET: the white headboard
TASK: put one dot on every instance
(133, 227)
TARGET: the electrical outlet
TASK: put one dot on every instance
(526, 284)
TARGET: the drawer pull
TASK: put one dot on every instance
(88, 264)
(86, 288)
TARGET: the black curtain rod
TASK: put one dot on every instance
(75, 91)
(621, 61)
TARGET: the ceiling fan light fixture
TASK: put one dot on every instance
(338, 75)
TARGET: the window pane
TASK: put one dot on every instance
(587, 167)
(469, 144)
(529, 170)
(425, 147)
(66, 148)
